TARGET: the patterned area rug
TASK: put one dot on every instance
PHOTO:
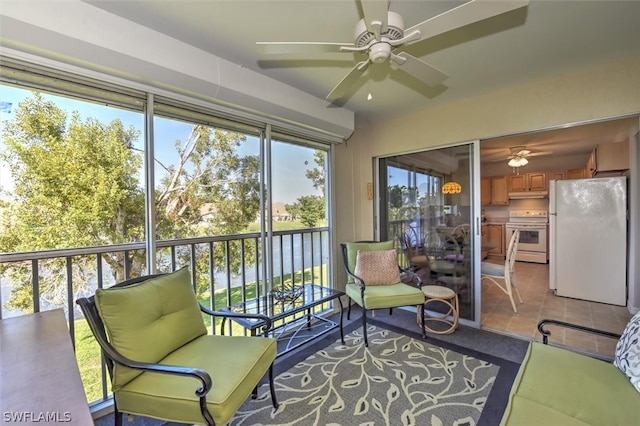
(398, 380)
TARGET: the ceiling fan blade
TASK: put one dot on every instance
(341, 88)
(287, 47)
(465, 14)
(375, 16)
(540, 153)
(419, 69)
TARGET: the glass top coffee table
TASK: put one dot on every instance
(291, 311)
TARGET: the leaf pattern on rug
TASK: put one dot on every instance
(396, 380)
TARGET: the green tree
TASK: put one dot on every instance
(310, 209)
(317, 174)
(76, 184)
(210, 173)
(294, 210)
(396, 195)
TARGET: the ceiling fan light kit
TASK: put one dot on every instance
(518, 162)
(381, 32)
(518, 158)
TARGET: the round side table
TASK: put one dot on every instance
(436, 294)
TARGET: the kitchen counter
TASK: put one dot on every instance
(495, 221)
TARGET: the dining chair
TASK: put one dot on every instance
(415, 256)
(504, 275)
(462, 232)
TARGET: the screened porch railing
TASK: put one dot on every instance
(298, 256)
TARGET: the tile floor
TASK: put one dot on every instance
(540, 303)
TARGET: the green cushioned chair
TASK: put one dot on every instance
(379, 296)
(162, 362)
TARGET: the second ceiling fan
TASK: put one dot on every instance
(382, 35)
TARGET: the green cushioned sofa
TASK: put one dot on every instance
(162, 362)
(556, 386)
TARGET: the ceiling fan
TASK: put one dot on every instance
(382, 35)
(519, 154)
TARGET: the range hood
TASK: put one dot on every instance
(528, 194)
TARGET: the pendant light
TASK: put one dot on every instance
(451, 188)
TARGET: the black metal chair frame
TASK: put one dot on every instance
(547, 333)
(111, 355)
(362, 285)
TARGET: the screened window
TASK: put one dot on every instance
(100, 183)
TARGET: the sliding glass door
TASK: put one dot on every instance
(428, 207)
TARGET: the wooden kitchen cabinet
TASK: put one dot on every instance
(577, 174)
(494, 191)
(528, 182)
(559, 175)
(609, 159)
(483, 240)
(518, 183)
(493, 234)
(591, 164)
(537, 181)
(485, 191)
(499, 191)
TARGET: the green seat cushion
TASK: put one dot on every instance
(386, 296)
(352, 253)
(525, 412)
(236, 365)
(148, 320)
(556, 386)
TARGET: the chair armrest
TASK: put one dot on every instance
(547, 333)
(201, 375)
(228, 314)
(414, 276)
(90, 312)
(356, 278)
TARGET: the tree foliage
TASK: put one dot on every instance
(77, 184)
(310, 209)
(212, 190)
(317, 174)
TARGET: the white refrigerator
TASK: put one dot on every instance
(588, 239)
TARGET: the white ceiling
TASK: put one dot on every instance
(545, 38)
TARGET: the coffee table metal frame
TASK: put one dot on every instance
(294, 330)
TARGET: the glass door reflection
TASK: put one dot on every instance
(426, 208)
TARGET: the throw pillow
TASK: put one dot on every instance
(352, 252)
(377, 267)
(627, 357)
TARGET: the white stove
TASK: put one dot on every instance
(532, 246)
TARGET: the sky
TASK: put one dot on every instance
(289, 161)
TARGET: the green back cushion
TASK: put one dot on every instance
(147, 321)
(352, 253)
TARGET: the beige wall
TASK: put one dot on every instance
(604, 91)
